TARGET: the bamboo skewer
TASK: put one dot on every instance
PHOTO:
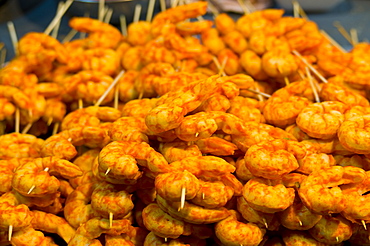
(123, 24)
(13, 36)
(118, 77)
(58, 16)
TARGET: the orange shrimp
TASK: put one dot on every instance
(18, 145)
(353, 134)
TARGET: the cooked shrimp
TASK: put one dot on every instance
(6, 109)
(31, 173)
(325, 182)
(126, 88)
(212, 40)
(29, 236)
(224, 23)
(295, 237)
(322, 120)
(297, 132)
(133, 60)
(252, 65)
(245, 109)
(107, 200)
(271, 159)
(279, 64)
(17, 145)
(192, 213)
(331, 230)
(185, 28)
(253, 189)
(101, 59)
(100, 34)
(177, 150)
(242, 172)
(216, 146)
(334, 92)
(230, 231)
(136, 236)
(16, 96)
(7, 168)
(353, 134)
(55, 110)
(139, 33)
(139, 107)
(155, 51)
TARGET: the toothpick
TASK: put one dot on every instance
(69, 36)
(332, 41)
(17, 115)
(110, 219)
(265, 222)
(123, 23)
(50, 120)
(364, 224)
(106, 172)
(108, 15)
(218, 65)
(2, 57)
(101, 10)
(300, 223)
(286, 80)
(13, 36)
(80, 103)
(137, 13)
(295, 9)
(141, 95)
(115, 81)
(244, 7)
(259, 92)
(10, 232)
(213, 9)
(203, 195)
(310, 79)
(182, 199)
(343, 31)
(149, 13)
(55, 128)
(260, 98)
(31, 189)
(337, 239)
(116, 97)
(58, 16)
(174, 3)
(162, 3)
(27, 128)
(55, 31)
(354, 36)
(310, 66)
(165, 239)
(196, 134)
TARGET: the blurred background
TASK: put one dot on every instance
(35, 15)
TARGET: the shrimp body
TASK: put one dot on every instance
(334, 92)
(353, 134)
(322, 120)
(101, 59)
(213, 194)
(177, 150)
(18, 145)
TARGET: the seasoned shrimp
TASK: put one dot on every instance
(252, 65)
(297, 132)
(155, 51)
(235, 41)
(16, 96)
(133, 60)
(334, 92)
(325, 182)
(242, 172)
(77, 209)
(29, 236)
(213, 194)
(6, 108)
(31, 178)
(139, 107)
(120, 158)
(322, 120)
(216, 146)
(353, 134)
(101, 59)
(177, 150)
(276, 196)
(89, 86)
(7, 168)
(245, 109)
(232, 232)
(17, 145)
(162, 224)
(55, 110)
(139, 33)
(135, 237)
(89, 116)
(192, 213)
(271, 159)
(100, 34)
(331, 230)
(88, 232)
(107, 200)
(185, 28)
(224, 23)
(212, 40)
(356, 111)
(279, 64)
(294, 237)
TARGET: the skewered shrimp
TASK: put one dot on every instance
(279, 64)
(356, 111)
(155, 51)
(55, 110)
(232, 65)
(136, 236)
(126, 88)
(297, 132)
(152, 239)
(7, 168)
(192, 213)
(252, 65)
(353, 134)
(322, 120)
(186, 28)
(292, 238)
(107, 200)
(242, 171)
(331, 230)
(232, 232)
(212, 194)
(100, 34)
(271, 159)
(132, 60)
(138, 107)
(101, 59)
(325, 182)
(212, 40)
(6, 108)
(89, 116)
(31, 173)
(224, 23)
(88, 232)
(139, 33)
(177, 150)
(31, 237)
(334, 92)
(17, 145)
(162, 224)
(276, 196)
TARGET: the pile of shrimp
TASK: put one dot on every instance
(253, 131)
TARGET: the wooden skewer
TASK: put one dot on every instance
(260, 98)
(182, 199)
(213, 9)
(13, 36)
(259, 92)
(174, 3)
(300, 223)
(34, 186)
(295, 9)
(17, 116)
(244, 7)
(137, 13)
(310, 79)
(58, 16)
(149, 13)
(115, 81)
(332, 41)
(55, 31)
(2, 56)
(80, 103)
(110, 219)
(27, 128)
(10, 233)
(123, 23)
(106, 172)
(162, 3)
(101, 10)
(309, 66)
(116, 97)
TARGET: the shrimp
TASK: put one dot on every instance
(29, 236)
(104, 60)
(133, 60)
(52, 224)
(132, 129)
(139, 33)
(216, 146)
(235, 41)
(243, 108)
(177, 14)
(31, 178)
(155, 51)
(192, 213)
(139, 107)
(230, 231)
(16, 96)
(89, 116)
(276, 196)
(55, 110)
(89, 86)
(353, 134)
(282, 112)
(325, 182)
(77, 209)
(135, 237)
(212, 194)
(334, 92)
(297, 132)
(119, 153)
(7, 168)
(18, 145)
(162, 224)
(126, 86)
(100, 34)
(331, 230)
(6, 109)
(322, 120)
(292, 238)
(212, 40)
(356, 111)
(152, 239)
(177, 150)
(279, 64)
(88, 232)
(271, 159)
(224, 23)
(251, 63)
(107, 200)
(185, 28)
(267, 220)
(298, 217)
